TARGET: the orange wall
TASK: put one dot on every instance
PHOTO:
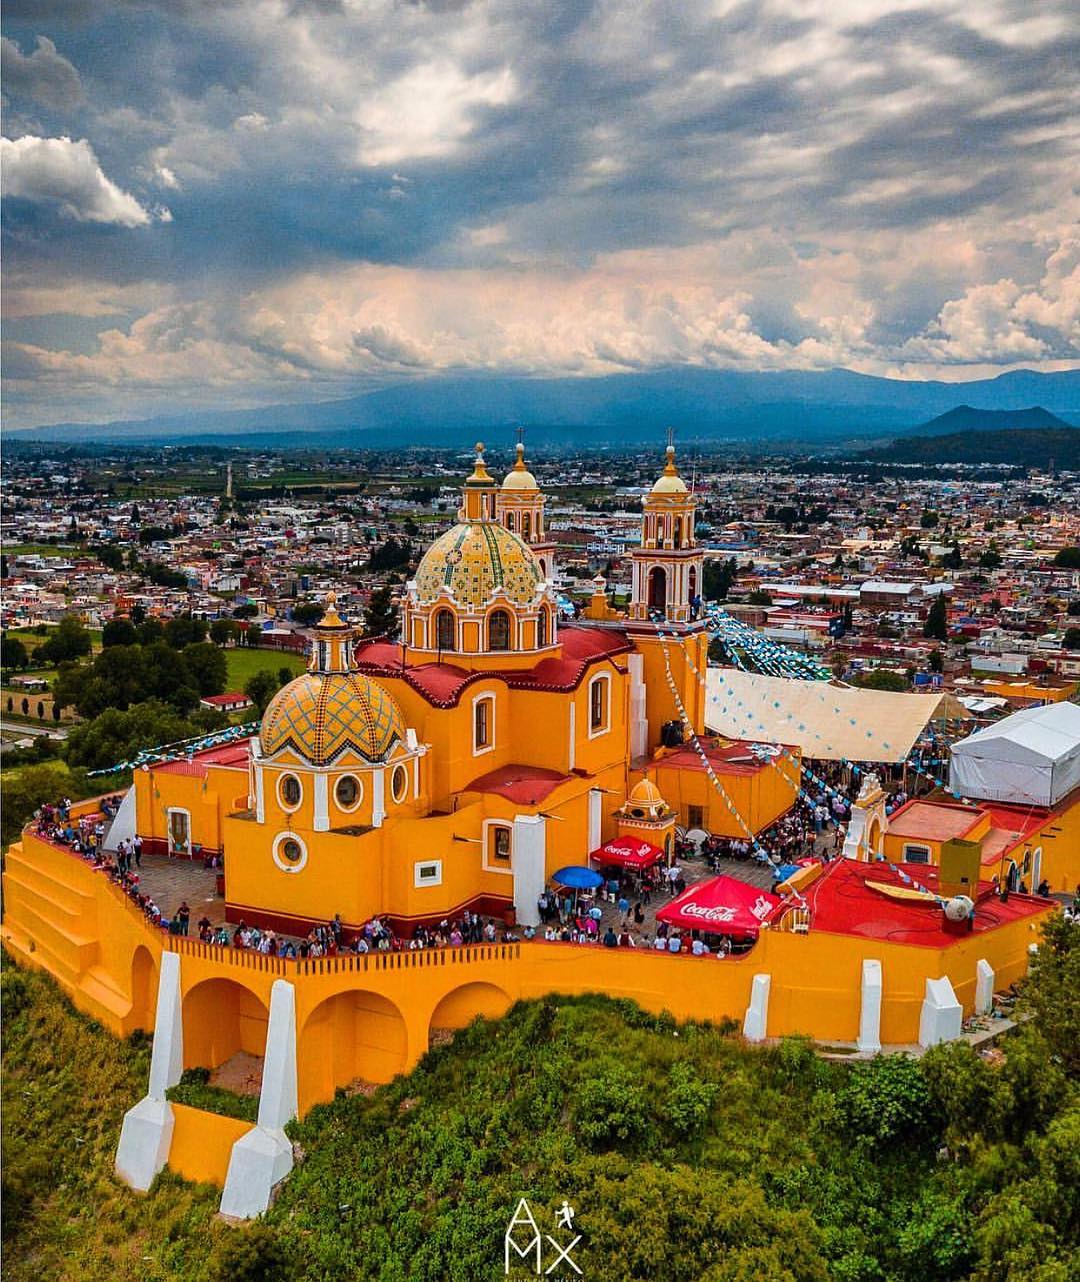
(202, 1144)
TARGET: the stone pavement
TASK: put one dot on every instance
(169, 881)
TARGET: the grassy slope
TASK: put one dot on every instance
(687, 1156)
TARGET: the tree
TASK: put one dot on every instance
(13, 653)
(26, 789)
(991, 558)
(261, 688)
(381, 616)
(71, 640)
(151, 630)
(138, 614)
(246, 610)
(929, 519)
(954, 558)
(389, 556)
(1072, 639)
(111, 555)
(936, 625)
(881, 681)
(118, 631)
(935, 661)
(308, 612)
(184, 630)
(760, 597)
(116, 736)
(207, 666)
(717, 579)
(223, 632)
(1068, 558)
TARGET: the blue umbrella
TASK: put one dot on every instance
(577, 878)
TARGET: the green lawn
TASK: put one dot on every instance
(244, 663)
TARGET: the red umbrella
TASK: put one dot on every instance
(724, 906)
(628, 852)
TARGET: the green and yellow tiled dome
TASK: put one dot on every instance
(322, 715)
(476, 559)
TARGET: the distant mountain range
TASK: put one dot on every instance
(966, 418)
(1034, 446)
(808, 407)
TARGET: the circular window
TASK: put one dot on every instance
(347, 792)
(399, 783)
(290, 793)
(290, 853)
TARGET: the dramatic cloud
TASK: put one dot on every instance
(66, 173)
(371, 190)
(44, 76)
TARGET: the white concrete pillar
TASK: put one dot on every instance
(756, 1021)
(321, 800)
(571, 750)
(122, 827)
(596, 819)
(378, 797)
(260, 796)
(147, 1131)
(262, 1158)
(984, 987)
(941, 1017)
(530, 866)
(639, 720)
(870, 1007)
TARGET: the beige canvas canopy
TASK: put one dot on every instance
(826, 719)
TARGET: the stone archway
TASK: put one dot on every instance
(144, 987)
(353, 1036)
(222, 1018)
(462, 1005)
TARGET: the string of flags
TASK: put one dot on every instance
(182, 748)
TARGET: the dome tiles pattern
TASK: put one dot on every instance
(322, 715)
(475, 560)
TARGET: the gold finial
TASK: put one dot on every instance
(331, 618)
(480, 472)
(669, 468)
(519, 466)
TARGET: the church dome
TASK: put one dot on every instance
(321, 715)
(519, 477)
(645, 793)
(670, 482)
(475, 559)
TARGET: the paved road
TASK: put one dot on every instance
(17, 729)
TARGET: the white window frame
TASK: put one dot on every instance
(348, 810)
(488, 696)
(606, 727)
(394, 797)
(289, 774)
(419, 881)
(284, 864)
(178, 810)
(487, 864)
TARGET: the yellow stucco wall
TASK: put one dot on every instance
(202, 1144)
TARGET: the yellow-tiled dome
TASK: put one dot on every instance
(474, 559)
(322, 715)
(519, 477)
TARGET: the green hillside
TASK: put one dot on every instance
(1035, 447)
(687, 1156)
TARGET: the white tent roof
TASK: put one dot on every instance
(1031, 757)
(826, 719)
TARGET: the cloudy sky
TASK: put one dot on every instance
(237, 202)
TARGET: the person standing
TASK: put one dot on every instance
(183, 916)
(136, 850)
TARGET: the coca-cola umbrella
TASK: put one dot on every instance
(627, 852)
(722, 906)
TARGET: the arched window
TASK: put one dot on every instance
(677, 536)
(445, 630)
(499, 631)
(541, 630)
(526, 527)
(657, 588)
(483, 723)
(599, 704)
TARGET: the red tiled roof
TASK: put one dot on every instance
(226, 754)
(524, 785)
(441, 684)
(731, 759)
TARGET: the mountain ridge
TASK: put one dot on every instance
(699, 403)
(966, 418)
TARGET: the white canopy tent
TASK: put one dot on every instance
(826, 719)
(1030, 758)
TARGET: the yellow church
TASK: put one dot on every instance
(458, 768)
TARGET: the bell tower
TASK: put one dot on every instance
(520, 507)
(668, 565)
(668, 681)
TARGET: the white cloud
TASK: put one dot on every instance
(427, 112)
(59, 171)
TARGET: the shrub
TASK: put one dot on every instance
(689, 1099)
(611, 1105)
(888, 1100)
